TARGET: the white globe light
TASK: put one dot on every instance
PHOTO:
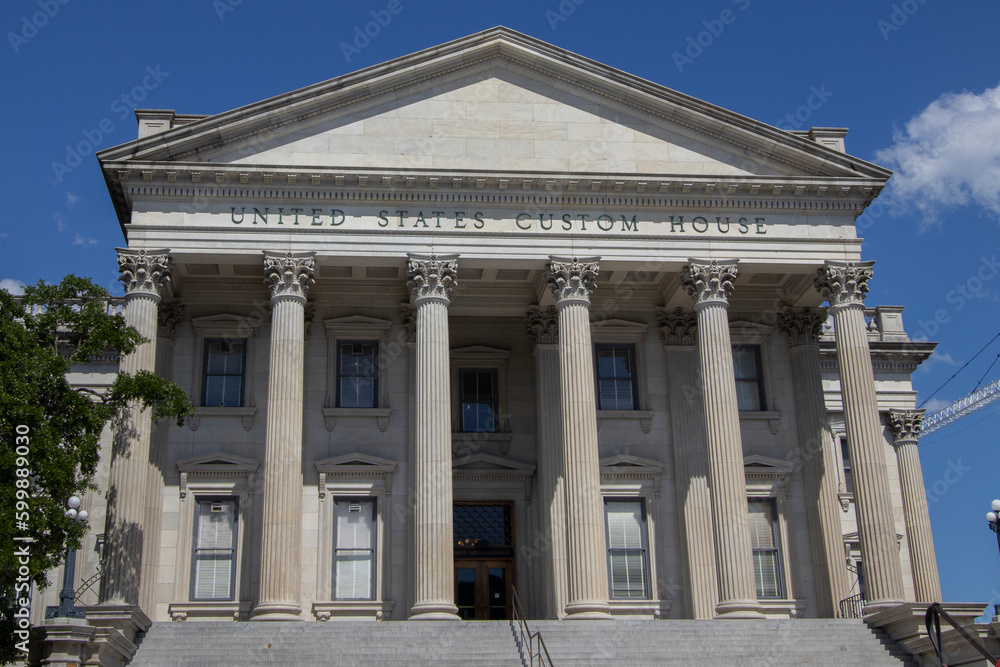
(82, 515)
(991, 517)
(73, 502)
(995, 505)
(71, 513)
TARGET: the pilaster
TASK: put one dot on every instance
(844, 285)
(572, 280)
(288, 276)
(431, 280)
(709, 283)
(145, 275)
(905, 428)
(817, 459)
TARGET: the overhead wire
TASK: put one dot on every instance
(959, 370)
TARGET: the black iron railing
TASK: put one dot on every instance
(529, 642)
(853, 607)
(933, 622)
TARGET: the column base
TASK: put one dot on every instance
(878, 606)
(434, 611)
(588, 610)
(277, 611)
(739, 609)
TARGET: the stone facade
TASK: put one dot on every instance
(536, 256)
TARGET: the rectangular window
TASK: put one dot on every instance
(748, 371)
(845, 453)
(354, 549)
(225, 363)
(477, 390)
(214, 561)
(616, 377)
(766, 554)
(357, 377)
(628, 562)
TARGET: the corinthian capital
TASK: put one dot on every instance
(709, 281)
(572, 278)
(430, 276)
(677, 327)
(290, 273)
(844, 283)
(542, 325)
(905, 425)
(144, 271)
(801, 327)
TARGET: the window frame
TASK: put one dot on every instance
(480, 358)
(374, 549)
(199, 501)
(340, 376)
(644, 535)
(776, 549)
(364, 329)
(227, 327)
(755, 349)
(494, 374)
(631, 349)
(768, 478)
(206, 344)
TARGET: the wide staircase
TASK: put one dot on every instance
(625, 643)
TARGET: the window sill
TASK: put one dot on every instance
(247, 413)
(462, 440)
(772, 417)
(845, 500)
(380, 415)
(652, 608)
(644, 417)
(783, 608)
(372, 610)
(237, 611)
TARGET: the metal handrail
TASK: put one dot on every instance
(853, 607)
(528, 639)
(932, 619)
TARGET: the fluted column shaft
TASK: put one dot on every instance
(844, 286)
(709, 284)
(572, 281)
(905, 427)
(543, 330)
(687, 422)
(816, 456)
(288, 276)
(431, 280)
(144, 274)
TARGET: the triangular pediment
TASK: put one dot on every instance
(496, 102)
(765, 464)
(631, 464)
(218, 462)
(355, 462)
(480, 462)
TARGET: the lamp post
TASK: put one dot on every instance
(994, 519)
(67, 596)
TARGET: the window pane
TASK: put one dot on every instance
(353, 574)
(215, 550)
(478, 401)
(764, 540)
(627, 558)
(627, 574)
(224, 366)
(624, 525)
(615, 377)
(845, 454)
(747, 395)
(357, 386)
(354, 549)
(746, 367)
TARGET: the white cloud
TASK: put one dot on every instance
(60, 222)
(80, 240)
(948, 155)
(938, 357)
(71, 199)
(935, 404)
(15, 287)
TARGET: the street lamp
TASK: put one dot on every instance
(994, 519)
(67, 596)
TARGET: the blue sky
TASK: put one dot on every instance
(917, 81)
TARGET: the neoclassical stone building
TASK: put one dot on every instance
(495, 315)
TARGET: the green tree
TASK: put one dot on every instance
(42, 334)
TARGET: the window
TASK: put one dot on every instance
(628, 563)
(354, 549)
(616, 377)
(845, 453)
(214, 561)
(225, 362)
(357, 379)
(478, 400)
(764, 541)
(748, 371)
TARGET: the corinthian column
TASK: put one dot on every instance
(431, 280)
(905, 427)
(571, 281)
(844, 285)
(145, 274)
(543, 330)
(687, 421)
(816, 456)
(288, 276)
(709, 283)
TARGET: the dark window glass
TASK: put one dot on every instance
(845, 453)
(749, 386)
(478, 398)
(357, 379)
(214, 559)
(628, 561)
(616, 377)
(225, 363)
(354, 549)
(765, 544)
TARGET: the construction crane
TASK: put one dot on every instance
(962, 407)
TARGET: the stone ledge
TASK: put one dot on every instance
(905, 625)
(644, 417)
(353, 610)
(380, 415)
(222, 611)
(655, 609)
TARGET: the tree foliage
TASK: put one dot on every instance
(42, 335)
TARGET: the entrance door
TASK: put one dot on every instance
(482, 589)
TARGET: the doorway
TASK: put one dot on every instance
(482, 590)
(484, 560)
